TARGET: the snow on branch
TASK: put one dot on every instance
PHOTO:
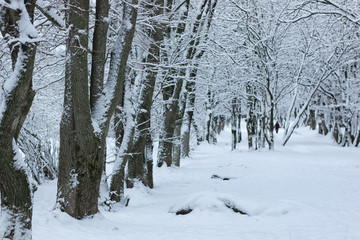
(26, 32)
(50, 14)
(106, 103)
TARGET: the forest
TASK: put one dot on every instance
(89, 87)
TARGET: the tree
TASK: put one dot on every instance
(172, 83)
(16, 96)
(199, 36)
(141, 162)
(86, 119)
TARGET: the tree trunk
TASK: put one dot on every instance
(312, 120)
(204, 16)
(177, 144)
(171, 92)
(336, 133)
(213, 131)
(290, 110)
(117, 185)
(190, 88)
(251, 122)
(208, 126)
(16, 97)
(262, 128)
(99, 50)
(178, 126)
(81, 151)
(119, 122)
(140, 163)
(83, 131)
(346, 140)
(323, 128)
(171, 97)
(123, 149)
(233, 125)
(238, 126)
(357, 139)
(271, 126)
(251, 130)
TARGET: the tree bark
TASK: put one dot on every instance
(177, 154)
(117, 184)
(171, 96)
(81, 151)
(312, 120)
(170, 112)
(16, 97)
(140, 163)
(203, 18)
(99, 50)
(190, 105)
(177, 145)
(83, 130)
(357, 139)
(251, 122)
(209, 118)
(233, 124)
(238, 126)
(271, 126)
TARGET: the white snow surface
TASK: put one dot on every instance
(309, 189)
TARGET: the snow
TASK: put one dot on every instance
(73, 179)
(9, 218)
(19, 159)
(2, 104)
(58, 19)
(27, 34)
(308, 189)
(27, 31)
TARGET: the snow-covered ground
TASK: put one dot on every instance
(309, 189)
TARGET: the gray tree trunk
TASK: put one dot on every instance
(171, 96)
(140, 163)
(238, 126)
(251, 121)
(98, 59)
(233, 124)
(171, 110)
(335, 133)
(83, 130)
(203, 18)
(16, 98)
(177, 145)
(177, 154)
(312, 121)
(117, 185)
(81, 152)
(357, 139)
(190, 105)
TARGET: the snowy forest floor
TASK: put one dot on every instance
(309, 189)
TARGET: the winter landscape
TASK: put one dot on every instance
(180, 119)
(306, 190)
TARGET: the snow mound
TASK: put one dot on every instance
(206, 201)
(222, 202)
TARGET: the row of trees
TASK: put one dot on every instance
(139, 71)
(286, 61)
